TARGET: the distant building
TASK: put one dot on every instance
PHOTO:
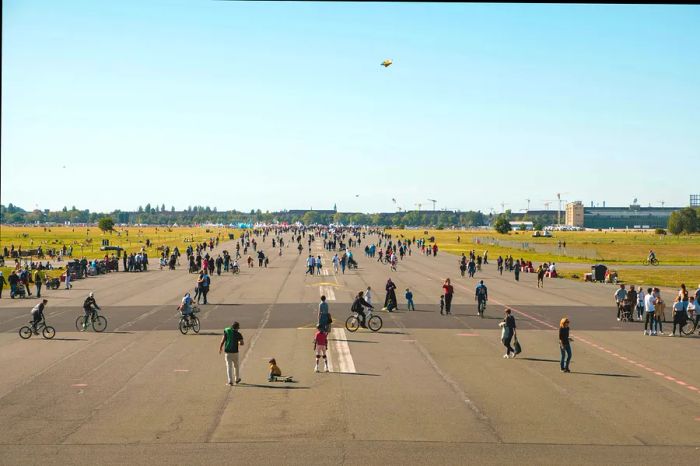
(521, 225)
(574, 214)
(695, 200)
(633, 216)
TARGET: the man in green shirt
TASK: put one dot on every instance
(229, 344)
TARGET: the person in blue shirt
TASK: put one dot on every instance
(409, 300)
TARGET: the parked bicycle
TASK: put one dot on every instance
(47, 331)
(691, 324)
(191, 323)
(374, 323)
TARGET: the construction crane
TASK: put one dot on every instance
(547, 202)
(433, 201)
(662, 203)
(528, 204)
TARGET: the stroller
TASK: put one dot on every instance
(52, 283)
(352, 263)
(21, 290)
(626, 311)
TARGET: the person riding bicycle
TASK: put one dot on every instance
(481, 295)
(186, 307)
(89, 307)
(652, 257)
(38, 315)
(358, 306)
(234, 267)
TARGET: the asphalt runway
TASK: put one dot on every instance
(425, 388)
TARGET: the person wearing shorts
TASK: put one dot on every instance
(320, 346)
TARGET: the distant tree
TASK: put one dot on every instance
(65, 209)
(148, 208)
(502, 225)
(172, 209)
(140, 210)
(683, 221)
(162, 208)
(106, 224)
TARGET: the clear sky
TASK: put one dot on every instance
(285, 105)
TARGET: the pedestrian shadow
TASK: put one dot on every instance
(391, 332)
(281, 387)
(119, 332)
(354, 373)
(353, 341)
(603, 374)
(540, 359)
(210, 334)
(68, 339)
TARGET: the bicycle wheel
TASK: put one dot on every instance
(48, 332)
(195, 324)
(99, 324)
(25, 332)
(375, 323)
(79, 323)
(688, 328)
(352, 324)
(184, 328)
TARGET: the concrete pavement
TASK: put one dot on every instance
(426, 388)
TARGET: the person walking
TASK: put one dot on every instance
(507, 333)
(324, 316)
(516, 270)
(368, 295)
(640, 304)
(409, 300)
(680, 316)
(38, 281)
(68, 285)
(390, 299)
(320, 345)
(620, 296)
(229, 344)
(564, 345)
(540, 276)
(3, 282)
(650, 318)
(448, 291)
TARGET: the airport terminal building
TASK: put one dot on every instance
(633, 216)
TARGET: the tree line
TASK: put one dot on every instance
(160, 215)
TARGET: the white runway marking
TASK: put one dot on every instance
(342, 350)
(328, 291)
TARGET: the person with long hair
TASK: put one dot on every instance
(564, 344)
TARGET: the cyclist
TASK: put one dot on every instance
(481, 296)
(88, 309)
(186, 307)
(358, 306)
(652, 257)
(38, 315)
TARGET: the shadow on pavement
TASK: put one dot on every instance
(121, 332)
(283, 387)
(68, 339)
(608, 375)
(392, 332)
(354, 373)
(540, 360)
(209, 334)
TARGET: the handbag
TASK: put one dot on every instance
(518, 349)
(330, 319)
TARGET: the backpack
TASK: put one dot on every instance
(481, 291)
(356, 306)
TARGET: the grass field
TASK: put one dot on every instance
(610, 248)
(86, 241)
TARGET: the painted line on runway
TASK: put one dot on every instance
(342, 350)
(181, 370)
(327, 291)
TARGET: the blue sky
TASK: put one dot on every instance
(285, 105)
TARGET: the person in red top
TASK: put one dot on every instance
(435, 249)
(448, 290)
(320, 345)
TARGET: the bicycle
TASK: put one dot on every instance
(481, 307)
(191, 323)
(99, 323)
(691, 325)
(374, 323)
(653, 261)
(47, 331)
